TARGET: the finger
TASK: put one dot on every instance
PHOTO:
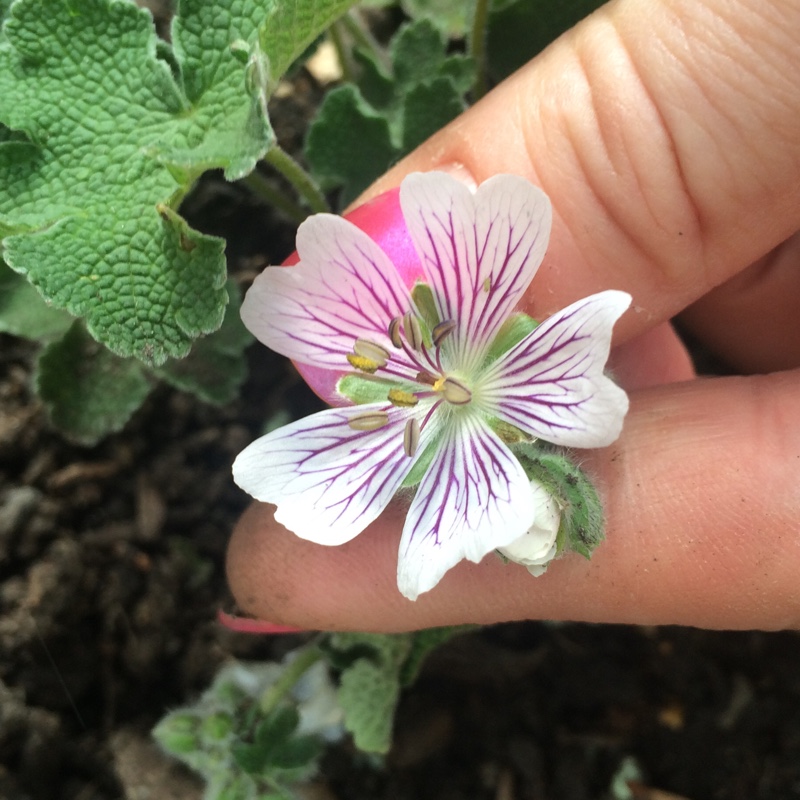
(706, 534)
(667, 135)
(751, 320)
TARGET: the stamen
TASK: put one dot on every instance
(413, 331)
(455, 392)
(369, 421)
(442, 331)
(411, 437)
(371, 350)
(401, 399)
(426, 377)
(394, 332)
(363, 363)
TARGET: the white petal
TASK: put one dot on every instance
(474, 498)
(552, 384)
(344, 288)
(479, 251)
(328, 481)
(537, 546)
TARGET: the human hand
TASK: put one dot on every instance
(667, 135)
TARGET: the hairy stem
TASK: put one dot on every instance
(305, 185)
(477, 46)
(294, 671)
(263, 189)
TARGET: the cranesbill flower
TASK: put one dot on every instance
(443, 376)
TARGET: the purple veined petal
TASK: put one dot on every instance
(328, 481)
(479, 251)
(343, 288)
(474, 498)
(551, 385)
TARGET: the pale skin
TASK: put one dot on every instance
(667, 135)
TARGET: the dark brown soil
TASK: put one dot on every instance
(111, 573)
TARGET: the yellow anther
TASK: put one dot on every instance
(411, 437)
(372, 351)
(397, 397)
(455, 392)
(368, 421)
(362, 363)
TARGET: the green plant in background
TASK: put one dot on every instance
(260, 729)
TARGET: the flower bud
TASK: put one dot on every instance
(536, 548)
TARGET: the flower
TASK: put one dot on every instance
(442, 373)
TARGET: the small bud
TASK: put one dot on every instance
(411, 437)
(368, 421)
(217, 726)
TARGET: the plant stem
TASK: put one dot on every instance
(305, 185)
(294, 671)
(341, 52)
(263, 189)
(363, 38)
(477, 46)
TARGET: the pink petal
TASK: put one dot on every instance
(479, 251)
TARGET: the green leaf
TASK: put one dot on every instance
(336, 156)
(519, 30)
(452, 18)
(24, 312)
(91, 198)
(292, 26)
(295, 753)
(423, 643)
(277, 727)
(427, 108)
(216, 367)
(88, 392)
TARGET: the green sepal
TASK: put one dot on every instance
(421, 466)
(514, 330)
(423, 298)
(582, 521)
(361, 389)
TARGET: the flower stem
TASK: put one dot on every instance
(341, 52)
(305, 185)
(363, 38)
(477, 46)
(263, 189)
(294, 671)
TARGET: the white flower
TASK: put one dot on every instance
(447, 377)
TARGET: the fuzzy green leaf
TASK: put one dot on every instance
(336, 156)
(88, 391)
(423, 643)
(452, 18)
(24, 312)
(427, 108)
(216, 367)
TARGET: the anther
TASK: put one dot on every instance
(371, 350)
(369, 421)
(426, 377)
(401, 399)
(394, 332)
(442, 331)
(362, 363)
(455, 392)
(411, 437)
(413, 331)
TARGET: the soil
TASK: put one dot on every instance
(111, 574)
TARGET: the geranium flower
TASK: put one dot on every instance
(443, 374)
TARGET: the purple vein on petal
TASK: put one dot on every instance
(328, 481)
(474, 498)
(552, 385)
(344, 288)
(479, 252)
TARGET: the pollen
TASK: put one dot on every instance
(363, 363)
(369, 421)
(397, 397)
(372, 351)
